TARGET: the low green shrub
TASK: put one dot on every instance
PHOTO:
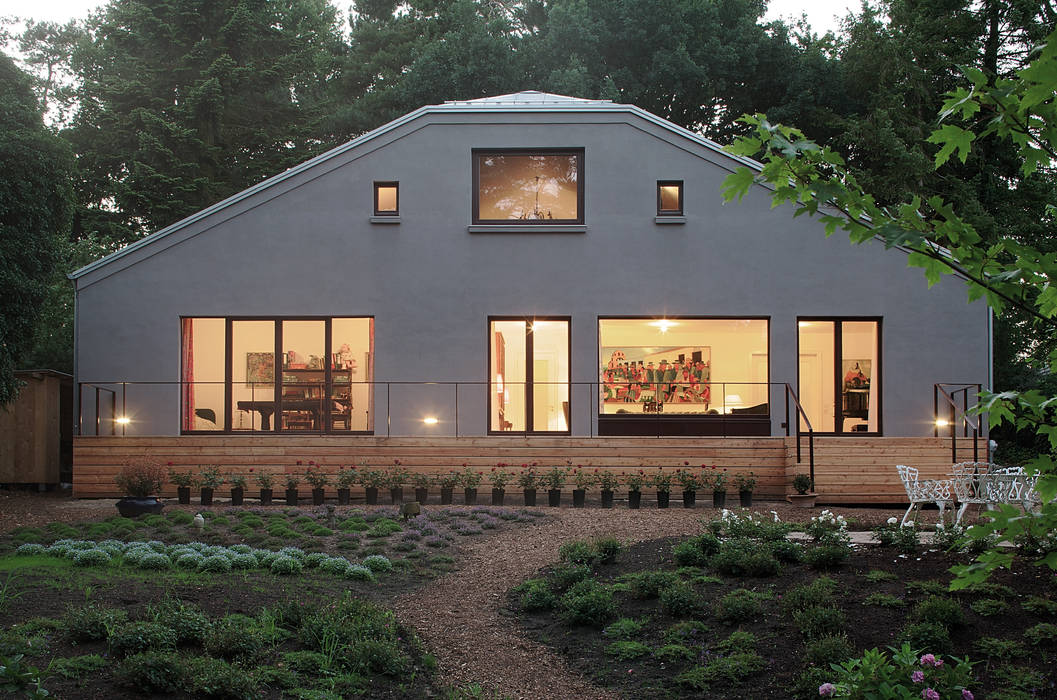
(941, 610)
(884, 600)
(383, 527)
(624, 628)
(607, 549)
(77, 666)
(878, 576)
(927, 635)
(286, 566)
(739, 640)
(818, 592)
(826, 556)
(989, 607)
(378, 564)
(828, 649)
(91, 557)
(786, 551)
(820, 621)
(588, 603)
(626, 650)
(151, 672)
(679, 599)
(216, 563)
(674, 654)
(562, 577)
(535, 595)
(155, 562)
(1001, 649)
(335, 566)
(30, 550)
(233, 637)
(1038, 605)
(740, 605)
(357, 572)
(731, 556)
(696, 551)
(577, 552)
(186, 620)
(690, 632)
(135, 637)
(206, 677)
(90, 623)
(727, 669)
(927, 587)
(1041, 634)
(648, 584)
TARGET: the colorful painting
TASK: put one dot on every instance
(856, 374)
(260, 367)
(652, 375)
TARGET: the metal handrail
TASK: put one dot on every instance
(966, 423)
(801, 413)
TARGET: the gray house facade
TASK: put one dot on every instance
(524, 264)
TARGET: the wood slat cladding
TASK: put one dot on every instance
(847, 470)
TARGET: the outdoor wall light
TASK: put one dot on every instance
(942, 422)
(122, 420)
(430, 420)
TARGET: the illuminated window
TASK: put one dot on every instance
(528, 187)
(530, 374)
(840, 372)
(387, 199)
(669, 198)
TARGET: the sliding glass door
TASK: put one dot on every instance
(840, 374)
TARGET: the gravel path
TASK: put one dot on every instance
(461, 619)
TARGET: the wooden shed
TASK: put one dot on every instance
(36, 430)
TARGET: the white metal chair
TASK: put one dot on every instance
(920, 492)
(970, 485)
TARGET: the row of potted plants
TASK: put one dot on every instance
(690, 481)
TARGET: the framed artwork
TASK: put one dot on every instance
(260, 367)
(652, 374)
(856, 374)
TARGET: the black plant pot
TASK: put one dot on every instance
(634, 499)
(554, 497)
(317, 497)
(746, 498)
(497, 496)
(372, 495)
(343, 497)
(266, 497)
(579, 496)
(530, 497)
(291, 497)
(422, 494)
(134, 506)
(396, 494)
(207, 496)
(469, 496)
(183, 495)
(689, 499)
(237, 495)
(719, 499)
(445, 495)
(607, 498)
(662, 499)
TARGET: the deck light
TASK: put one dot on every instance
(430, 420)
(942, 422)
(122, 420)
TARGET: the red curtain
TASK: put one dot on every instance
(187, 388)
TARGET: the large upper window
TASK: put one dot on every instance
(535, 187)
(277, 375)
(683, 366)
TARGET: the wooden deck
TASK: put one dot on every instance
(847, 470)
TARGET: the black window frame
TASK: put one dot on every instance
(529, 376)
(387, 183)
(478, 153)
(670, 212)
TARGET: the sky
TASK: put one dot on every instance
(821, 14)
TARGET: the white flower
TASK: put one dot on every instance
(939, 526)
(892, 521)
(909, 523)
(775, 514)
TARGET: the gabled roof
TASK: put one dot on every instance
(527, 101)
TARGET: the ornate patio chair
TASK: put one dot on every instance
(936, 491)
(970, 485)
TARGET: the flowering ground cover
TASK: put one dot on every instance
(738, 611)
(254, 603)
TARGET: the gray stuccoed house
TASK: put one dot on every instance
(522, 278)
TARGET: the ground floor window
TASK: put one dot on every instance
(840, 374)
(689, 367)
(529, 374)
(277, 375)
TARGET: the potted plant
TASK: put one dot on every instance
(583, 480)
(210, 478)
(319, 479)
(634, 481)
(421, 481)
(372, 480)
(718, 481)
(141, 480)
(346, 479)
(238, 488)
(264, 481)
(690, 483)
(528, 479)
(608, 481)
(396, 478)
(662, 481)
(447, 485)
(499, 478)
(183, 481)
(469, 480)
(804, 496)
(292, 480)
(555, 479)
(746, 483)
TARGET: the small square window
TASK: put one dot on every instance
(669, 198)
(387, 199)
